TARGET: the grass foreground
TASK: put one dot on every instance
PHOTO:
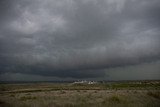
(116, 94)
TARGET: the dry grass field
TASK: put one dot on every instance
(125, 94)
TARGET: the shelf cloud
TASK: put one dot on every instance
(77, 38)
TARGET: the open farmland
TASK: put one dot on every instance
(112, 94)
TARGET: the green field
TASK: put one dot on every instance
(112, 94)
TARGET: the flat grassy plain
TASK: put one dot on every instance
(109, 94)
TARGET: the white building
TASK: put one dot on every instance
(84, 82)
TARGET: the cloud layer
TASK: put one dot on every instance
(77, 38)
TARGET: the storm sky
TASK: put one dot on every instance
(79, 39)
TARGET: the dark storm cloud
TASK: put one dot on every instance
(78, 39)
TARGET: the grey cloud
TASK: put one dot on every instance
(77, 38)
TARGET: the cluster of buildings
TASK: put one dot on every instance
(85, 82)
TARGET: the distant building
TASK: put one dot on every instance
(92, 82)
(84, 82)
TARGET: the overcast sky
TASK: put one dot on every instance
(79, 39)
